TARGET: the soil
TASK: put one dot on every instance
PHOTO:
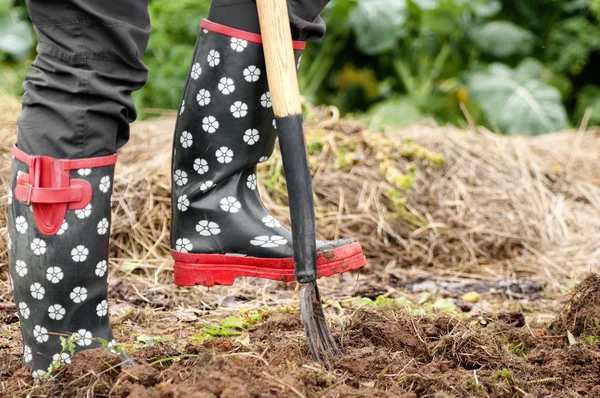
(581, 316)
(388, 353)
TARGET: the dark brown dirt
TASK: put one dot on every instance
(388, 354)
(581, 314)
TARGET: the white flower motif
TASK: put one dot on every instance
(38, 246)
(10, 196)
(24, 310)
(183, 245)
(83, 337)
(79, 294)
(213, 58)
(205, 186)
(186, 139)
(27, 357)
(63, 228)
(251, 181)
(204, 31)
(263, 159)
(224, 155)
(80, 253)
(271, 222)
(56, 312)
(183, 203)
(226, 85)
(54, 274)
(101, 268)
(114, 347)
(201, 166)
(21, 224)
(203, 97)
(265, 100)
(85, 212)
(37, 291)
(180, 177)
(275, 124)
(102, 308)
(210, 124)
(84, 172)
(40, 333)
(230, 204)
(251, 136)
(208, 228)
(103, 226)
(239, 109)
(62, 357)
(21, 268)
(182, 107)
(269, 241)
(105, 184)
(238, 44)
(251, 74)
(36, 374)
(196, 71)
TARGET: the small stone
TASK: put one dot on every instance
(471, 297)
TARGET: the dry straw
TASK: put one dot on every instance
(481, 205)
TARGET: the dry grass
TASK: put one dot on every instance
(499, 206)
(496, 207)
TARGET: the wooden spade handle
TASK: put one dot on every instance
(285, 96)
(279, 56)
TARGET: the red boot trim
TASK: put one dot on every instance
(68, 164)
(49, 189)
(219, 269)
(241, 34)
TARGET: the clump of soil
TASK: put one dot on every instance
(394, 331)
(470, 347)
(581, 314)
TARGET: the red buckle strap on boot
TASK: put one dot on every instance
(49, 189)
(241, 34)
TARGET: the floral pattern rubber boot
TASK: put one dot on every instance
(59, 218)
(220, 227)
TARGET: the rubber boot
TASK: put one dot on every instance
(59, 226)
(220, 228)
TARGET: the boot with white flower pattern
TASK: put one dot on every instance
(220, 228)
(59, 227)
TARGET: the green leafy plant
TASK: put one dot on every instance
(377, 24)
(395, 62)
(571, 43)
(589, 98)
(175, 27)
(517, 348)
(231, 326)
(517, 101)
(67, 347)
(503, 39)
(146, 341)
(411, 62)
(16, 46)
(16, 36)
(507, 375)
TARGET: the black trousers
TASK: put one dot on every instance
(77, 101)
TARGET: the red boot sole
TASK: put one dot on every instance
(218, 269)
